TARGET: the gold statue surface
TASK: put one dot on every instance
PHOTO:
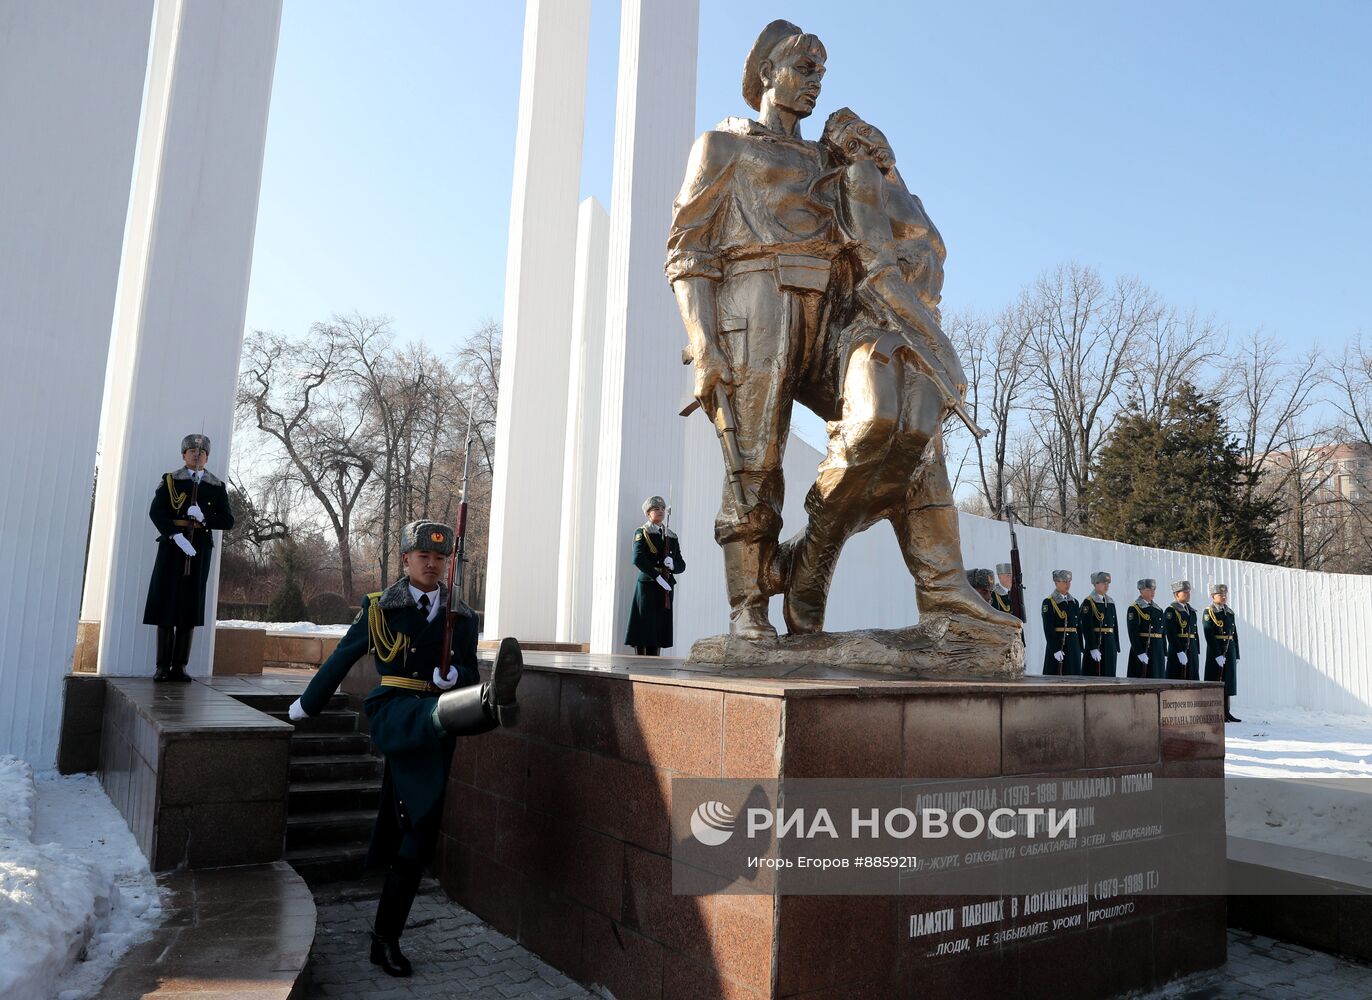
(807, 272)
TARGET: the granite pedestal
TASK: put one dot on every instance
(558, 832)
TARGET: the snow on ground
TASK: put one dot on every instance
(75, 891)
(299, 628)
(1302, 779)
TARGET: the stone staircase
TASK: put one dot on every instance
(335, 785)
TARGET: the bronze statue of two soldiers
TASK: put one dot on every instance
(807, 272)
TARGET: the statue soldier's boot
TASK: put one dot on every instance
(930, 542)
(166, 642)
(479, 708)
(181, 653)
(743, 573)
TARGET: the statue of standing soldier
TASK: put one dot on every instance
(806, 271)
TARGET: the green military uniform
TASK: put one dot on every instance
(1221, 643)
(1183, 638)
(1061, 621)
(415, 714)
(657, 556)
(187, 506)
(1099, 632)
(1147, 636)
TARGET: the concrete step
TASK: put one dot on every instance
(336, 744)
(321, 865)
(308, 797)
(350, 827)
(335, 767)
(272, 703)
(325, 722)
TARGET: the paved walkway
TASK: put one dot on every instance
(456, 955)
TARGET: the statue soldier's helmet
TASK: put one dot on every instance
(195, 441)
(426, 536)
(776, 32)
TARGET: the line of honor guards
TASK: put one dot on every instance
(1083, 637)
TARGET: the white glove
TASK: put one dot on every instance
(1143, 658)
(297, 711)
(668, 563)
(1219, 660)
(1095, 655)
(446, 683)
(663, 584)
(1058, 656)
(1181, 658)
(183, 545)
(194, 511)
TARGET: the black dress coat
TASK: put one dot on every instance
(1061, 621)
(176, 593)
(401, 720)
(1182, 637)
(1221, 639)
(650, 616)
(1099, 631)
(1147, 636)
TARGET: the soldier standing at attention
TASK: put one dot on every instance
(187, 505)
(1061, 619)
(1099, 629)
(1221, 645)
(1183, 642)
(1000, 594)
(1147, 635)
(657, 555)
(980, 579)
(416, 711)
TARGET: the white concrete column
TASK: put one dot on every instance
(641, 441)
(575, 568)
(183, 295)
(71, 82)
(521, 571)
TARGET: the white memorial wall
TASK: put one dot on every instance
(71, 84)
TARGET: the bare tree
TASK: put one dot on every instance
(1170, 348)
(294, 392)
(994, 356)
(1083, 335)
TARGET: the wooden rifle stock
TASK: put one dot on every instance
(1016, 572)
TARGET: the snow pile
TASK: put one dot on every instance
(294, 628)
(75, 892)
(1301, 779)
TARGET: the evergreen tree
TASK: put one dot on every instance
(1179, 482)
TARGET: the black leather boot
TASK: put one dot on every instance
(181, 653)
(477, 709)
(166, 641)
(1228, 715)
(392, 910)
(387, 954)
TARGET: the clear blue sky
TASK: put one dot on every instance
(1221, 151)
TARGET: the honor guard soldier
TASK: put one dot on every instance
(980, 579)
(188, 504)
(1061, 619)
(1147, 633)
(1099, 629)
(657, 555)
(1000, 594)
(416, 711)
(1183, 641)
(1221, 645)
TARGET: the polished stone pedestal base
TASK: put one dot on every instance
(559, 831)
